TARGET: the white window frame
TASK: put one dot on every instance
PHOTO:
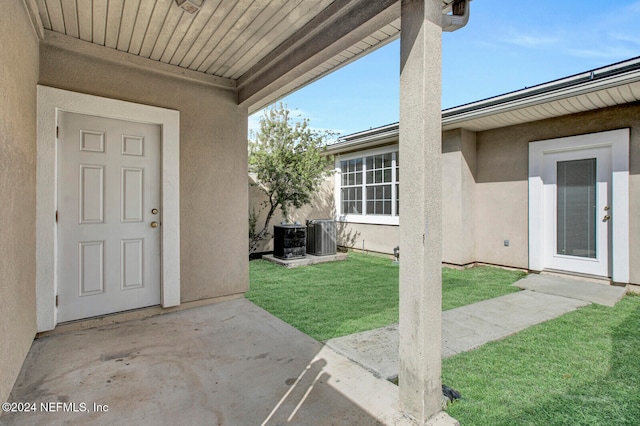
(392, 219)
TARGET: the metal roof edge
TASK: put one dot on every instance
(609, 76)
(584, 79)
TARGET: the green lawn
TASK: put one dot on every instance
(582, 368)
(361, 293)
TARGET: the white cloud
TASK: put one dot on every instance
(531, 41)
(627, 38)
(296, 115)
(614, 53)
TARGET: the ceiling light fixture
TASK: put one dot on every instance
(190, 6)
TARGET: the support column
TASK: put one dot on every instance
(420, 223)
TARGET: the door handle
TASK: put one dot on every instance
(154, 224)
(606, 218)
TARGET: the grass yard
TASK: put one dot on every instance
(582, 368)
(335, 299)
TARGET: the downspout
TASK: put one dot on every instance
(458, 18)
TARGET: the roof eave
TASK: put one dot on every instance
(591, 81)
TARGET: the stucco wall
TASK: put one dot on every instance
(458, 196)
(502, 187)
(485, 190)
(321, 207)
(376, 238)
(18, 79)
(501, 197)
(213, 162)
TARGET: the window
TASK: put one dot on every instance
(576, 201)
(378, 183)
(351, 187)
(369, 186)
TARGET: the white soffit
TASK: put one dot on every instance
(223, 39)
(527, 105)
(616, 84)
(226, 39)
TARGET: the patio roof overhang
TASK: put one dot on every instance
(263, 50)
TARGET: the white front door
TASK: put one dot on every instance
(108, 216)
(577, 200)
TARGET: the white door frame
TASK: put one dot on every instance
(52, 100)
(618, 142)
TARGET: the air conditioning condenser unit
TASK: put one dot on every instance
(321, 237)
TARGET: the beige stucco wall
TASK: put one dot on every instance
(367, 237)
(458, 196)
(485, 190)
(501, 197)
(18, 79)
(213, 162)
(502, 187)
(376, 238)
(322, 207)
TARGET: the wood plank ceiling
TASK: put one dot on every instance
(224, 39)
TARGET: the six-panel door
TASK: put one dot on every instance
(108, 199)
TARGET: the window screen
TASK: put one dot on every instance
(577, 208)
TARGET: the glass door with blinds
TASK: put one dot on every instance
(577, 210)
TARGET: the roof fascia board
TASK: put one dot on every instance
(301, 81)
(524, 100)
(371, 132)
(390, 132)
(365, 142)
(82, 47)
(36, 21)
(295, 41)
(339, 26)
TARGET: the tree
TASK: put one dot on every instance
(286, 156)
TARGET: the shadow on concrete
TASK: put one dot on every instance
(230, 363)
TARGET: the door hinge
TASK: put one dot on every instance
(56, 216)
(57, 132)
(56, 300)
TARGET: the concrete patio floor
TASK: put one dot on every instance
(229, 363)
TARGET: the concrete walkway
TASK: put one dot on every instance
(544, 297)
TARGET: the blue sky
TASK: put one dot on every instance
(507, 45)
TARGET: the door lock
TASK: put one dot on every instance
(154, 211)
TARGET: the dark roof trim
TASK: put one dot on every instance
(563, 83)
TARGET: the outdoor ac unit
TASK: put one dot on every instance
(289, 241)
(321, 237)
